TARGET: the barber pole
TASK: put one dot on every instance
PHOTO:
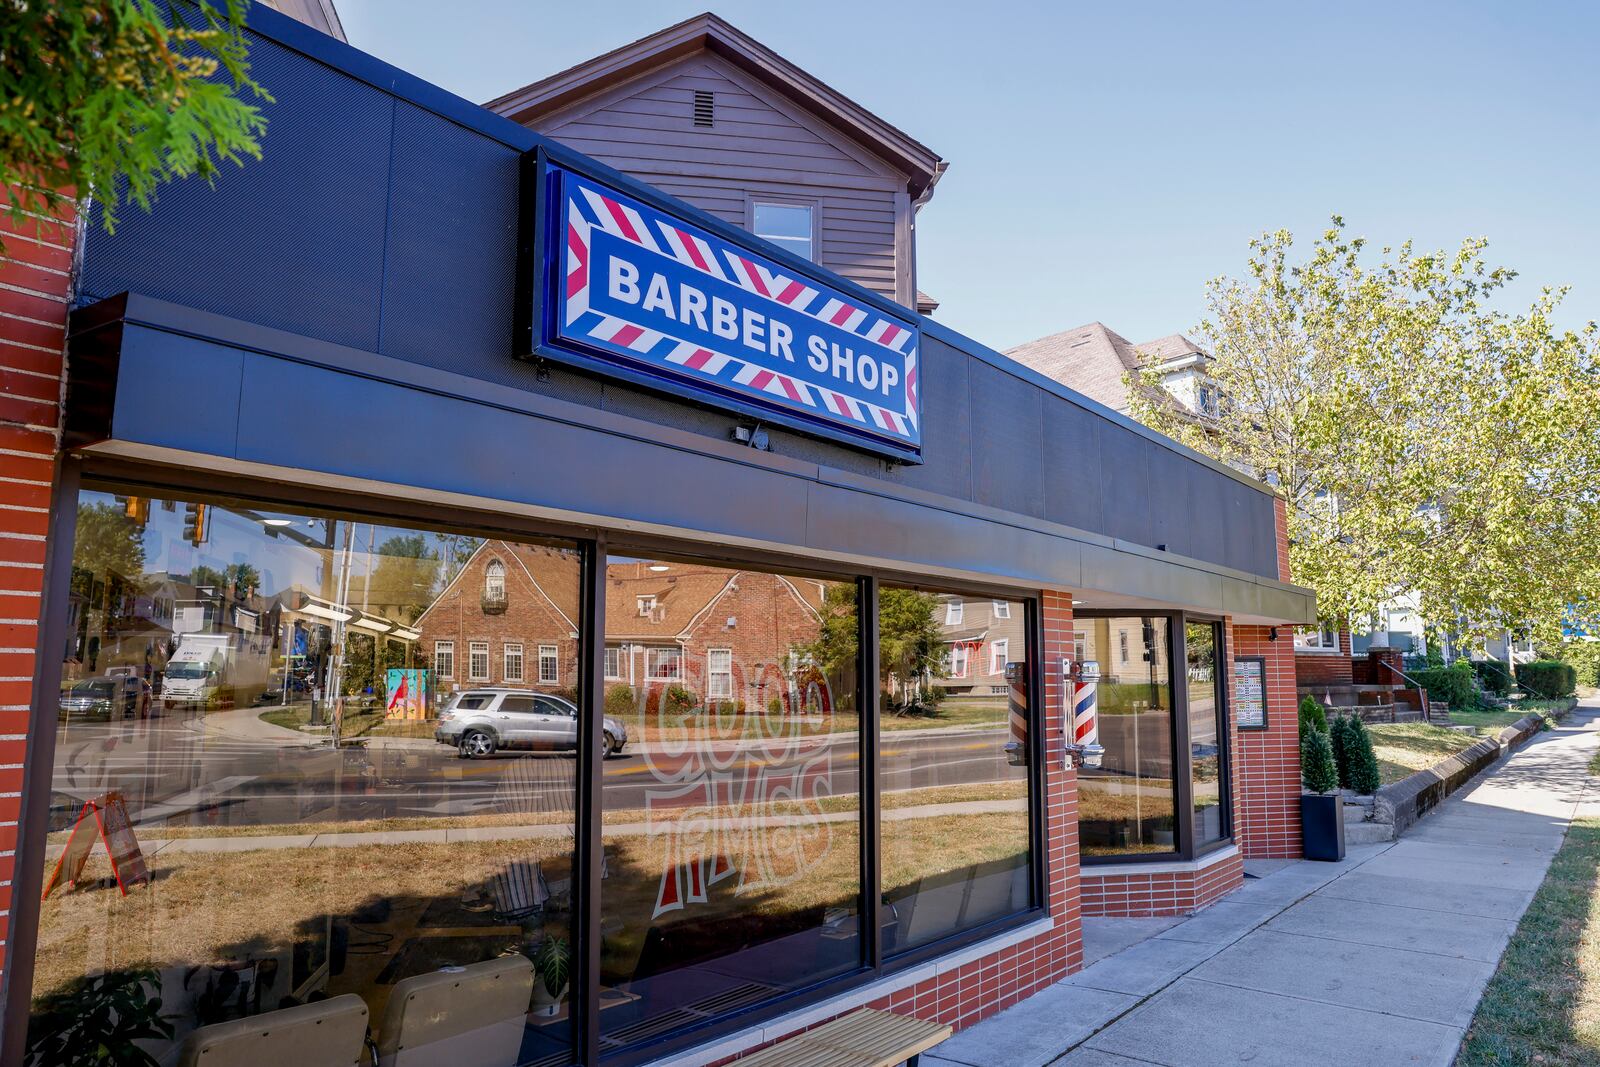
(1085, 704)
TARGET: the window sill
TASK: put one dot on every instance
(1318, 651)
(1117, 870)
(797, 1020)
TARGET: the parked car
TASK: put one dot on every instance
(479, 722)
(111, 697)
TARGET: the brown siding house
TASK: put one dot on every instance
(709, 115)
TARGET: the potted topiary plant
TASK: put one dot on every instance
(1321, 806)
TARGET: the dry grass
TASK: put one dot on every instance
(205, 908)
(1404, 748)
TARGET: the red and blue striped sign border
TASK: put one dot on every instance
(588, 205)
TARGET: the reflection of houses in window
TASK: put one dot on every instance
(977, 651)
(514, 600)
(723, 634)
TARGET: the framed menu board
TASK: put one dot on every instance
(1250, 692)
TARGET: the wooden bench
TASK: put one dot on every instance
(865, 1038)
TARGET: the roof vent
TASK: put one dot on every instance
(704, 108)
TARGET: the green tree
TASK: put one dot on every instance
(117, 97)
(406, 576)
(1423, 440)
(108, 543)
(910, 642)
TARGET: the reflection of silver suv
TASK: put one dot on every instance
(480, 721)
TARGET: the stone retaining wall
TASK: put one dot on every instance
(1408, 800)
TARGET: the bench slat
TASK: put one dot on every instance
(864, 1038)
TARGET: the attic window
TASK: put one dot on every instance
(704, 108)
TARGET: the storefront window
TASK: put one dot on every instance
(954, 791)
(251, 805)
(732, 837)
(1207, 728)
(1126, 806)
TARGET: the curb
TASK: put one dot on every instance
(1408, 800)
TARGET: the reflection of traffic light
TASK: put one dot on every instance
(194, 523)
(136, 508)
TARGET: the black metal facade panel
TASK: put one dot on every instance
(1006, 451)
(180, 392)
(449, 265)
(294, 240)
(1071, 466)
(946, 396)
(376, 223)
(1124, 477)
(1174, 519)
(388, 433)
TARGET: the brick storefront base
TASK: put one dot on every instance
(1126, 891)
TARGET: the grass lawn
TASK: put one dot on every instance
(1543, 1004)
(1404, 748)
(1495, 720)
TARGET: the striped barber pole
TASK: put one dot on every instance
(590, 208)
(1085, 705)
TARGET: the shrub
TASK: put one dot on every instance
(1494, 676)
(774, 705)
(1585, 659)
(1312, 718)
(1364, 776)
(677, 701)
(1340, 740)
(1317, 772)
(1455, 685)
(619, 701)
(1547, 678)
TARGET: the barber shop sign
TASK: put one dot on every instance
(635, 292)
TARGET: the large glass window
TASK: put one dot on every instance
(1126, 806)
(259, 798)
(1207, 731)
(955, 832)
(732, 839)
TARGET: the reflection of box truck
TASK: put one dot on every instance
(207, 668)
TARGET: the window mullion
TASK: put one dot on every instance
(871, 822)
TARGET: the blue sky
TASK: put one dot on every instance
(1107, 159)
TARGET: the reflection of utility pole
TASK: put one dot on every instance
(340, 626)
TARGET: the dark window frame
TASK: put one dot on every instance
(595, 546)
(1185, 849)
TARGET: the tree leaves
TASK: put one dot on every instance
(1425, 442)
(117, 97)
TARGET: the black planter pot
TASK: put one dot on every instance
(1322, 826)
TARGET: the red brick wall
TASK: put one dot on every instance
(35, 277)
(1326, 668)
(1141, 895)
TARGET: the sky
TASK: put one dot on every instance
(1106, 160)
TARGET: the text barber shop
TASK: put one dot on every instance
(506, 604)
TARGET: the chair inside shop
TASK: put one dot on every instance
(471, 1016)
(326, 1033)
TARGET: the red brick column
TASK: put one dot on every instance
(1267, 769)
(35, 280)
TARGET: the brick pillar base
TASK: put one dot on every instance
(35, 277)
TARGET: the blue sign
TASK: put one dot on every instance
(654, 298)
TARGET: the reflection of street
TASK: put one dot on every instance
(175, 773)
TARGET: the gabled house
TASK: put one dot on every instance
(1095, 360)
(714, 117)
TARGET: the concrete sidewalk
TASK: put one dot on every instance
(1377, 960)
